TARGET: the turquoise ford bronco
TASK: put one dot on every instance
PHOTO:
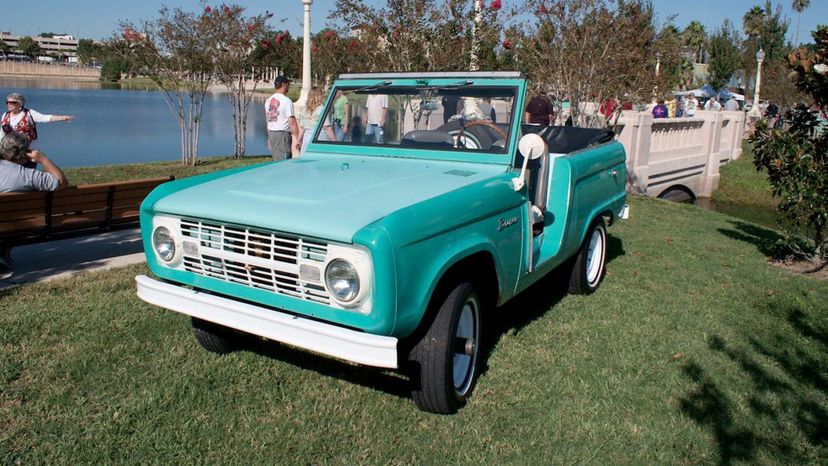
(418, 209)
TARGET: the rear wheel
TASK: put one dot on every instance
(213, 337)
(588, 267)
(446, 358)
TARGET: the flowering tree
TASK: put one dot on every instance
(233, 37)
(175, 51)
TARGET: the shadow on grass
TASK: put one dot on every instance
(782, 378)
(763, 238)
(516, 314)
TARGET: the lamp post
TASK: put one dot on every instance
(475, 45)
(760, 57)
(306, 57)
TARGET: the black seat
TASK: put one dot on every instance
(427, 139)
(566, 139)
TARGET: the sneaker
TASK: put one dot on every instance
(5, 269)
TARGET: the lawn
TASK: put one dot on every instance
(694, 351)
(108, 173)
(746, 193)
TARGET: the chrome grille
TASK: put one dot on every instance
(256, 258)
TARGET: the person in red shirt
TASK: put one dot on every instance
(539, 110)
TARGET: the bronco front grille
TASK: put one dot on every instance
(256, 258)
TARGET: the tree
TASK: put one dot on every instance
(89, 52)
(232, 38)
(676, 69)
(419, 35)
(29, 46)
(799, 6)
(176, 52)
(590, 50)
(796, 157)
(724, 55)
(695, 37)
(765, 29)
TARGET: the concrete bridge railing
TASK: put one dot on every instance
(23, 69)
(684, 154)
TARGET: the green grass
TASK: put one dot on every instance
(745, 193)
(694, 351)
(108, 173)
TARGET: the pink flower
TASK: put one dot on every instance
(507, 44)
(495, 5)
(226, 9)
(207, 9)
(542, 9)
(250, 28)
(329, 34)
(353, 44)
(281, 37)
(265, 44)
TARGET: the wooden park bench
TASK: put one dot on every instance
(36, 217)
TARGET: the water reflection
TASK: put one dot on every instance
(116, 126)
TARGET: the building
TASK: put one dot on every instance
(63, 46)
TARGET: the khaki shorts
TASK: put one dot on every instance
(280, 144)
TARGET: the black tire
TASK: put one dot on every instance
(437, 389)
(213, 337)
(588, 269)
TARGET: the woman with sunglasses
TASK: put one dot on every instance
(20, 119)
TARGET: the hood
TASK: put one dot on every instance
(323, 196)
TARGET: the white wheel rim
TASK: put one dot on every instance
(468, 328)
(595, 257)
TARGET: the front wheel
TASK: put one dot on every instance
(588, 267)
(446, 358)
(213, 337)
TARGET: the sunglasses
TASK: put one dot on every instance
(12, 102)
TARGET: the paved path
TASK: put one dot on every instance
(60, 259)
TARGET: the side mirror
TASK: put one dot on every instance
(531, 146)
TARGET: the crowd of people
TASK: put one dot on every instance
(20, 156)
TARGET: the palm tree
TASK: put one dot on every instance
(753, 21)
(799, 6)
(695, 37)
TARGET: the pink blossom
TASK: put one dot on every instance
(207, 9)
(507, 44)
(226, 9)
(250, 28)
(542, 9)
(265, 44)
(353, 44)
(495, 5)
(329, 34)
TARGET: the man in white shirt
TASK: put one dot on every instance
(282, 128)
(732, 105)
(377, 106)
(712, 104)
(691, 106)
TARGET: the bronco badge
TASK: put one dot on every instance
(504, 223)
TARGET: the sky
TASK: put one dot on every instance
(98, 19)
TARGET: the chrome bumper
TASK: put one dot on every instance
(350, 345)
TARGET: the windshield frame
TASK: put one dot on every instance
(501, 158)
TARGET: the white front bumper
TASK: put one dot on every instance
(350, 345)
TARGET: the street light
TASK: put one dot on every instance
(760, 57)
(306, 57)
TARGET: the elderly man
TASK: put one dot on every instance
(15, 177)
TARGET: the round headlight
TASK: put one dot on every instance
(342, 280)
(164, 244)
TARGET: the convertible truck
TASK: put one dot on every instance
(419, 208)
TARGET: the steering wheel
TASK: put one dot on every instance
(488, 123)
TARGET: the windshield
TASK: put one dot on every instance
(456, 117)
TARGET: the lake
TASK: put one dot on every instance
(115, 126)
